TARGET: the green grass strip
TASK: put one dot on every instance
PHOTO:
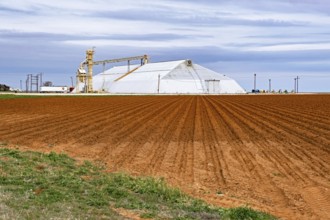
(13, 96)
(53, 186)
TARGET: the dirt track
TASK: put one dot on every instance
(270, 152)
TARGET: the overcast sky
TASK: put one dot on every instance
(276, 39)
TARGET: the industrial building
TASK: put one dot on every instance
(174, 77)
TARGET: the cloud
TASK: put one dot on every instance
(236, 37)
(8, 10)
(184, 17)
(295, 47)
(16, 35)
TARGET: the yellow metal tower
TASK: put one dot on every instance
(87, 78)
(89, 60)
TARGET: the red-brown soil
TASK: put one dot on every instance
(269, 152)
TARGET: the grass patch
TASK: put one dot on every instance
(3, 144)
(21, 96)
(7, 96)
(13, 96)
(44, 186)
(245, 213)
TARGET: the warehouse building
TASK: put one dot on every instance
(173, 77)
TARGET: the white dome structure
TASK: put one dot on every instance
(174, 77)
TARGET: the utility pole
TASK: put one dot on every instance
(158, 82)
(37, 83)
(297, 84)
(27, 83)
(41, 80)
(270, 85)
(21, 86)
(255, 83)
(71, 81)
(31, 82)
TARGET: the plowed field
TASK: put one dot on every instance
(270, 152)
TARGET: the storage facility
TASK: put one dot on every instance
(173, 77)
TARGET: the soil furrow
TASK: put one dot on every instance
(269, 151)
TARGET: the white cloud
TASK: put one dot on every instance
(239, 29)
(294, 47)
